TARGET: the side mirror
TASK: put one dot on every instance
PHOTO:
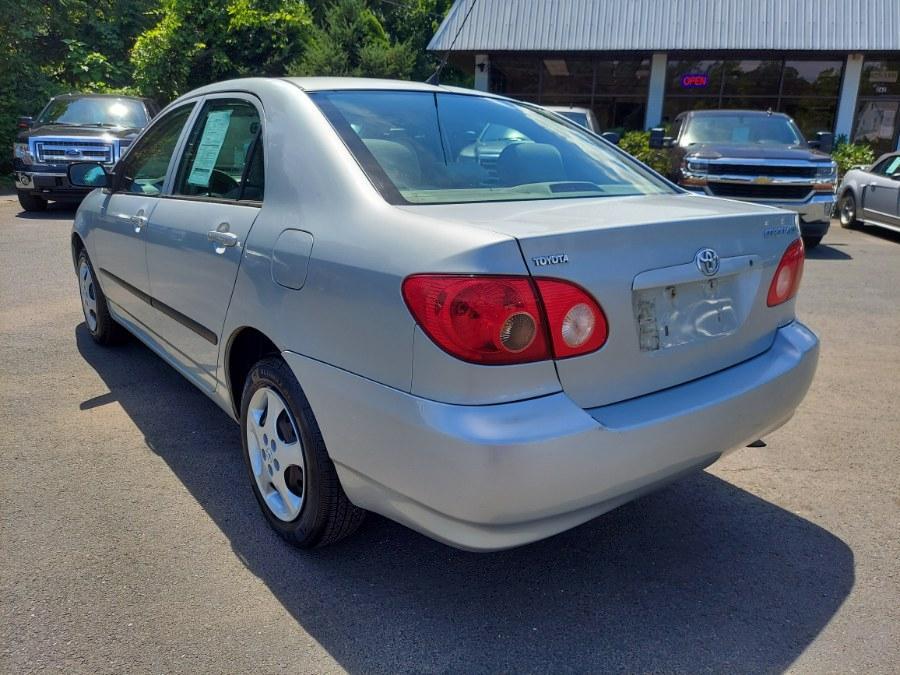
(611, 136)
(25, 123)
(657, 138)
(89, 175)
(825, 141)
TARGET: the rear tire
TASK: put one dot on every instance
(811, 242)
(103, 328)
(30, 202)
(847, 211)
(292, 476)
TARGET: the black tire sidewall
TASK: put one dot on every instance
(31, 202)
(847, 196)
(307, 528)
(103, 317)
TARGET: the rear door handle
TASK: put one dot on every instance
(222, 238)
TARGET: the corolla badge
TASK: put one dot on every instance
(707, 261)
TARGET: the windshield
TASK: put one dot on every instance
(742, 129)
(425, 148)
(95, 112)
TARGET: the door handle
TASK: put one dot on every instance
(221, 238)
(138, 222)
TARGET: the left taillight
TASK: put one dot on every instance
(787, 277)
(501, 320)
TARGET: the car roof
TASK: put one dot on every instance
(86, 95)
(738, 111)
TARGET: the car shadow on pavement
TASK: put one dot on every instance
(55, 210)
(827, 252)
(701, 576)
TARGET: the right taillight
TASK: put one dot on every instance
(787, 276)
(501, 320)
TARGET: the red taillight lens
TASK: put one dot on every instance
(482, 319)
(499, 320)
(788, 275)
(576, 322)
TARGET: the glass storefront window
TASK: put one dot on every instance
(694, 77)
(515, 76)
(744, 78)
(567, 76)
(812, 78)
(810, 114)
(616, 78)
(880, 78)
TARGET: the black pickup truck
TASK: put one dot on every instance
(73, 128)
(754, 156)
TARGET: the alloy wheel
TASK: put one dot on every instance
(276, 454)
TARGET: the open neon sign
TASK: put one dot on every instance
(694, 80)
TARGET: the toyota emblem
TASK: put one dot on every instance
(707, 261)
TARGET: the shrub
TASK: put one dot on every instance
(637, 144)
(847, 155)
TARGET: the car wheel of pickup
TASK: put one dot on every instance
(847, 211)
(102, 327)
(810, 243)
(293, 478)
(30, 202)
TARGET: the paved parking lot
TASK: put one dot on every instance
(130, 539)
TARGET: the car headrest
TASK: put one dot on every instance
(522, 163)
(399, 162)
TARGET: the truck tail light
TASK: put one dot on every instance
(502, 320)
(787, 277)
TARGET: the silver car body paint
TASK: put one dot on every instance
(480, 457)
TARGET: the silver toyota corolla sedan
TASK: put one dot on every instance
(450, 308)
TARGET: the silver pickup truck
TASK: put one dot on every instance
(757, 157)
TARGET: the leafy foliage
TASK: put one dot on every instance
(847, 155)
(637, 144)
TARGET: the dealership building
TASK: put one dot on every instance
(831, 64)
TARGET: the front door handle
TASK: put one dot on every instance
(221, 238)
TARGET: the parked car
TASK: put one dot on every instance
(871, 195)
(754, 156)
(72, 128)
(490, 355)
(583, 116)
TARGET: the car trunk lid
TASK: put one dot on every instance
(669, 322)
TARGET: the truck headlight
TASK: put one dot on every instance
(697, 165)
(828, 172)
(20, 151)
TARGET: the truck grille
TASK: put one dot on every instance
(74, 151)
(751, 191)
(762, 170)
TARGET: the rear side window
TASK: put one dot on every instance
(223, 158)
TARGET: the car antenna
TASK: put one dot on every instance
(435, 77)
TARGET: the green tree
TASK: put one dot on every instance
(195, 42)
(352, 41)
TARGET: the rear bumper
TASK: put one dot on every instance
(496, 476)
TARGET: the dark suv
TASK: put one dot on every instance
(73, 128)
(754, 156)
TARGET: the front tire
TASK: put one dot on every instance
(103, 328)
(847, 211)
(293, 478)
(30, 202)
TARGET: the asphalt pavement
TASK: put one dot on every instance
(130, 540)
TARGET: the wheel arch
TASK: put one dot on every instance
(245, 347)
(77, 247)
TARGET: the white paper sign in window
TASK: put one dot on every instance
(210, 145)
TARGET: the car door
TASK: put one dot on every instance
(196, 234)
(118, 238)
(881, 197)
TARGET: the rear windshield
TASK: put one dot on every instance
(425, 148)
(95, 112)
(740, 129)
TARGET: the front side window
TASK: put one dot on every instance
(742, 129)
(889, 167)
(144, 168)
(223, 157)
(98, 111)
(424, 148)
